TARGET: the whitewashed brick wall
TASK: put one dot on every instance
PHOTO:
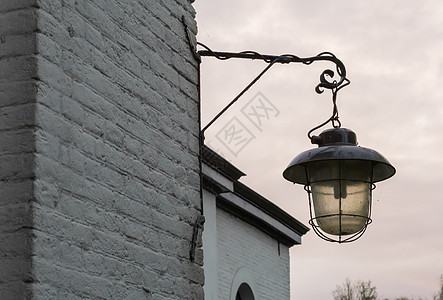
(241, 245)
(17, 147)
(99, 176)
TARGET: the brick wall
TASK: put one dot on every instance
(241, 245)
(17, 146)
(99, 150)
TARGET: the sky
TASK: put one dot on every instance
(393, 53)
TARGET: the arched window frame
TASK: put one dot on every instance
(243, 275)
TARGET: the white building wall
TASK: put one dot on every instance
(241, 246)
(210, 246)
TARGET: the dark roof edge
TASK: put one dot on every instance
(225, 202)
(269, 207)
(213, 186)
(220, 164)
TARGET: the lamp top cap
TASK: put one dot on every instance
(337, 144)
(335, 136)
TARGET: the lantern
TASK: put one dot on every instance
(339, 177)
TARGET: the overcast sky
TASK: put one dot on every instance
(393, 52)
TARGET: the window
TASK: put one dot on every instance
(244, 293)
(243, 285)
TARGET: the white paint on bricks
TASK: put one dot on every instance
(99, 150)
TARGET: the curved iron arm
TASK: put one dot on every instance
(290, 58)
(333, 85)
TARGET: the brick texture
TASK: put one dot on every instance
(98, 150)
(17, 146)
(240, 244)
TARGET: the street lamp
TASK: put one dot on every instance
(338, 176)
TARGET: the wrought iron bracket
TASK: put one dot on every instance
(326, 77)
(198, 223)
(289, 58)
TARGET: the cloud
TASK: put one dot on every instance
(393, 52)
